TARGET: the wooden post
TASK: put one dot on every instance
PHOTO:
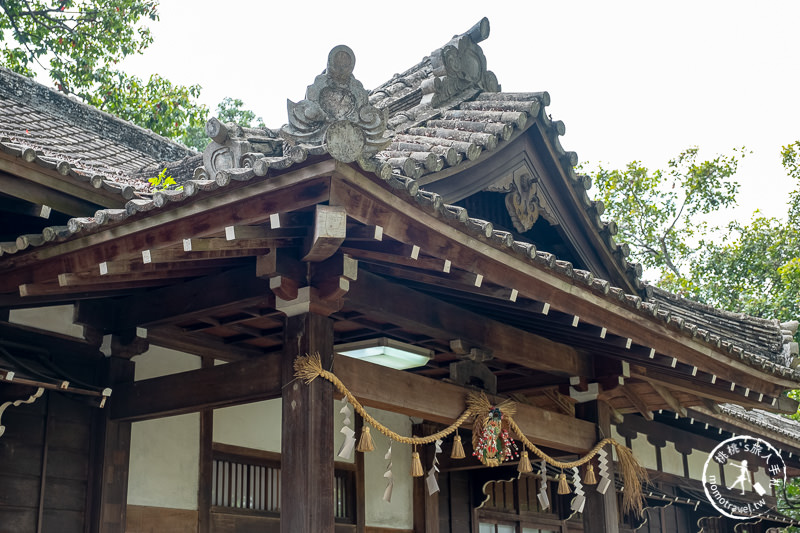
(426, 506)
(112, 449)
(307, 431)
(600, 513)
(206, 465)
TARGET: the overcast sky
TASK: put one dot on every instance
(631, 80)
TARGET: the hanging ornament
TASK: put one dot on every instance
(580, 500)
(416, 465)
(387, 493)
(490, 440)
(346, 451)
(589, 477)
(605, 478)
(458, 448)
(365, 443)
(544, 500)
(433, 484)
(563, 486)
(524, 466)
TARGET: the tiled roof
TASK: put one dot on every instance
(43, 126)
(764, 419)
(471, 117)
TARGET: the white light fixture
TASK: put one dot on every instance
(386, 352)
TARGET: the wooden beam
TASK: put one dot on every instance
(200, 216)
(637, 402)
(398, 391)
(91, 279)
(219, 386)
(402, 220)
(668, 398)
(203, 296)
(35, 174)
(218, 244)
(418, 312)
(200, 344)
(700, 389)
(38, 194)
(375, 386)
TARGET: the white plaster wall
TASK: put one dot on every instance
(761, 476)
(697, 461)
(258, 425)
(644, 452)
(398, 513)
(671, 460)
(57, 318)
(165, 453)
(732, 471)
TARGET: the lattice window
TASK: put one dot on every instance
(254, 484)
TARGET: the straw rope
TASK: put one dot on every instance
(309, 367)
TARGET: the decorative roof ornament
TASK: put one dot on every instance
(233, 146)
(336, 114)
(459, 66)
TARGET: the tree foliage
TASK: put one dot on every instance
(78, 44)
(660, 214)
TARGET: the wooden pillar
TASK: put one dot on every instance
(600, 513)
(206, 465)
(112, 449)
(426, 506)
(307, 431)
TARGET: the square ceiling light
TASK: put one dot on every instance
(386, 352)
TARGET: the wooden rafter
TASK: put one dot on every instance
(638, 403)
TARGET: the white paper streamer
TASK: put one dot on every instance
(346, 451)
(544, 501)
(579, 500)
(605, 479)
(387, 494)
(433, 485)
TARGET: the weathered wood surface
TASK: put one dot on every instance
(411, 309)
(369, 203)
(307, 470)
(398, 391)
(219, 386)
(204, 216)
(600, 514)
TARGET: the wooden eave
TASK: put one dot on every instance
(57, 186)
(240, 317)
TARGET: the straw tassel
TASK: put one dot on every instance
(563, 486)
(633, 475)
(458, 448)
(524, 466)
(365, 443)
(589, 477)
(416, 465)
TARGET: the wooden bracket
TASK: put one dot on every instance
(470, 351)
(473, 373)
(330, 231)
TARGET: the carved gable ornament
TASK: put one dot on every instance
(459, 66)
(524, 200)
(336, 114)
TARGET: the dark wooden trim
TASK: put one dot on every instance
(600, 513)
(206, 464)
(361, 512)
(307, 473)
(371, 203)
(218, 386)
(112, 459)
(438, 319)
(43, 472)
(197, 217)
